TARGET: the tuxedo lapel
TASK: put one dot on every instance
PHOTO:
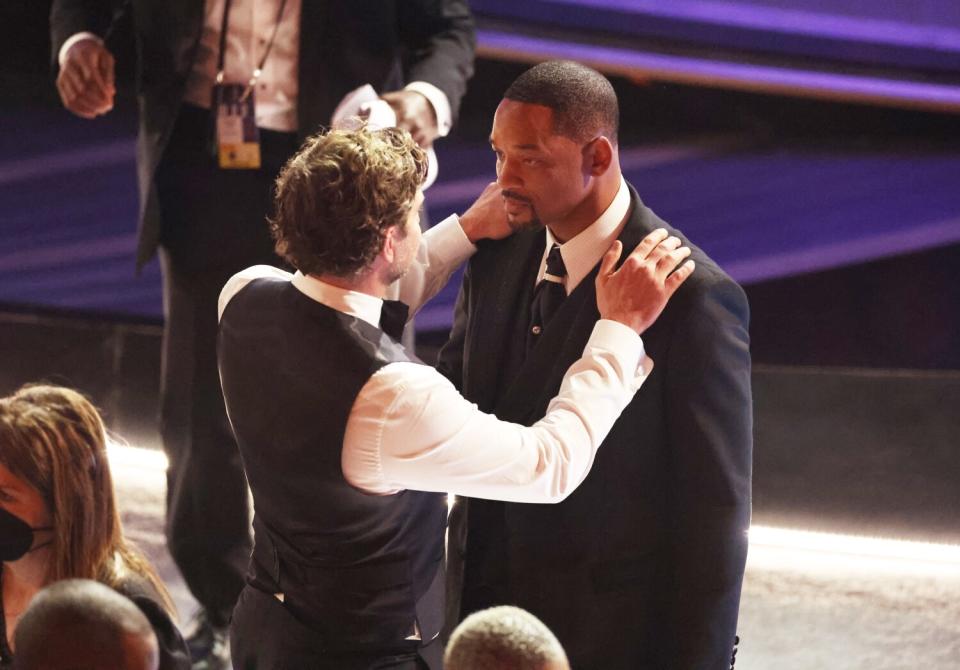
(504, 273)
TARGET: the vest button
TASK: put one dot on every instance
(535, 330)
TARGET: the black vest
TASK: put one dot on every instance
(359, 569)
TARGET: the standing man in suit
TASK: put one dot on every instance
(641, 568)
(227, 89)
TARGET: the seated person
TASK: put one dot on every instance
(78, 623)
(58, 517)
(504, 638)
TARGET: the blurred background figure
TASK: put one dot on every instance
(59, 517)
(504, 638)
(279, 69)
(80, 623)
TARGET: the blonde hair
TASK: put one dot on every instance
(338, 196)
(54, 439)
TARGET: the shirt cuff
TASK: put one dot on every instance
(438, 100)
(73, 39)
(625, 344)
(448, 241)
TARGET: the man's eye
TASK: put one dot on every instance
(533, 162)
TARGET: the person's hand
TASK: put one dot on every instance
(415, 114)
(85, 82)
(637, 292)
(486, 217)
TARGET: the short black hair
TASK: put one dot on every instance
(583, 101)
(82, 623)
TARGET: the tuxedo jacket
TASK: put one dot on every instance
(343, 44)
(642, 566)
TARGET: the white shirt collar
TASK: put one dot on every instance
(361, 305)
(582, 252)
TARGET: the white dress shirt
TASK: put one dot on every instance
(582, 253)
(251, 23)
(409, 428)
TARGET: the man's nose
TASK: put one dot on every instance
(507, 175)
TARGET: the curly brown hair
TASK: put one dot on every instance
(338, 196)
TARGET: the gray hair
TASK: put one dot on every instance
(503, 638)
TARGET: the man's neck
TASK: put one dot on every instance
(368, 283)
(589, 210)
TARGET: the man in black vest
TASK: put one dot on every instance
(655, 541)
(297, 60)
(350, 444)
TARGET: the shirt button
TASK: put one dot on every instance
(535, 330)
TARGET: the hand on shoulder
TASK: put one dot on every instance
(636, 293)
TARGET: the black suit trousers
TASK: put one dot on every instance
(213, 226)
(264, 634)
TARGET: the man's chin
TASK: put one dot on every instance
(519, 224)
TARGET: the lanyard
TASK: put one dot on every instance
(221, 59)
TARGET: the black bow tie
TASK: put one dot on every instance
(393, 317)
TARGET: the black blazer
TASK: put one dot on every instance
(343, 44)
(642, 566)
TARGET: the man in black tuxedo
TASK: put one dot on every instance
(642, 566)
(208, 222)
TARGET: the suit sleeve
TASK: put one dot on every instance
(69, 17)
(710, 428)
(439, 45)
(450, 359)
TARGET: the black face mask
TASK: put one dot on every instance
(16, 537)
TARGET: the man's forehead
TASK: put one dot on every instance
(523, 125)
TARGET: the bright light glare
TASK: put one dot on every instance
(853, 545)
(832, 555)
(123, 456)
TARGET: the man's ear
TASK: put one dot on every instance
(598, 156)
(389, 250)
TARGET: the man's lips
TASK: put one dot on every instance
(515, 207)
(514, 200)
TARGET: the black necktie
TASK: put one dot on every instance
(393, 317)
(547, 297)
